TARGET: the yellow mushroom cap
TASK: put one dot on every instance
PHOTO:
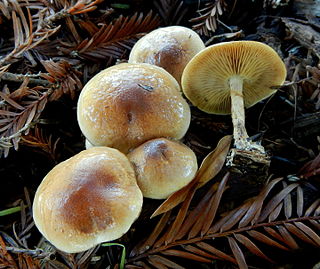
(205, 80)
(169, 47)
(128, 104)
(163, 167)
(90, 198)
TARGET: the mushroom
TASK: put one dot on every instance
(169, 47)
(90, 198)
(88, 145)
(163, 167)
(128, 104)
(227, 77)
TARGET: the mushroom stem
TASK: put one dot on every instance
(240, 135)
(237, 111)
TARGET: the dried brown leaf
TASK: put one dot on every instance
(253, 213)
(265, 239)
(275, 201)
(300, 234)
(287, 203)
(185, 255)
(176, 226)
(300, 201)
(312, 207)
(308, 231)
(274, 234)
(232, 219)
(275, 213)
(154, 235)
(252, 247)
(216, 252)
(209, 168)
(156, 263)
(200, 252)
(238, 254)
(164, 262)
(195, 219)
(288, 239)
(214, 203)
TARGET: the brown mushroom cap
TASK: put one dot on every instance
(163, 167)
(169, 47)
(128, 104)
(205, 80)
(90, 198)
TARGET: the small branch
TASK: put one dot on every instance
(219, 235)
(17, 134)
(54, 17)
(39, 253)
(21, 77)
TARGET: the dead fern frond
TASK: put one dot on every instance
(171, 11)
(15, 247)
(37, 139)
(59, 10)
(16, 117)
(278, 217)
(64, 76)
(207, 22)
(24, 38)
(112, 41)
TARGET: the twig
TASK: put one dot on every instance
(54, 17)
(291, 83)
(226, 35)
(21, 77)
(18, 133)
(39, 253)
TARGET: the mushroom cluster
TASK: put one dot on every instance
(130, 108)
(133, 116)
(128, 104)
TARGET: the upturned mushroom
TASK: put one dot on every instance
(169, 47)
(163, 167)
(227, 77)
(128, 104)
(90, 198)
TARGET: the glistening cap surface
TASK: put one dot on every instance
(163, 167)
(90, 198)
(169, 47)
(128, 104)
(205, 80)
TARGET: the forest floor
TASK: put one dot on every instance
(50, 49)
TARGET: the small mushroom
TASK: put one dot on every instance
(169, 47)
(227, 77)
(128, 104)
(163, 167)
(90, 198)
